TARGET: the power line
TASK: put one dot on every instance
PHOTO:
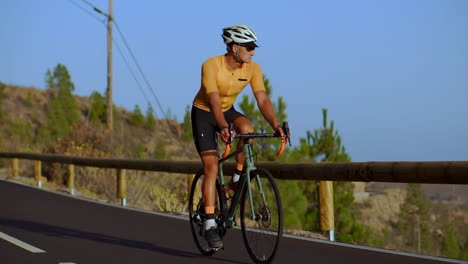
(117, 45)
(88, 3)
(129, 68)
(96, 9)
(86, 11)
(123, 57)
(143, 75)
(113, 39)
(141, 71)
(132, 55)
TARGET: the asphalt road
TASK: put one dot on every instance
(46, 227)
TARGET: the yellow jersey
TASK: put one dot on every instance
(217, 77)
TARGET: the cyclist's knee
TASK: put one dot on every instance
(243, 125)
(210, 162)
(245, 128)
(211, 170)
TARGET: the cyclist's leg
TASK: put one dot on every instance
(204, 134)
(210, 167)
(241, 125)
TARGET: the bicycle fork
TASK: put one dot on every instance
(251, 167)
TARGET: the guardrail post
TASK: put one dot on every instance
(122, 186)
(327, 218)
(14, 167)
(71, 178)
(37, 173)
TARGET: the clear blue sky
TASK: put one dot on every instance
(393, 74)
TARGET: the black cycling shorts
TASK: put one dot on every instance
(204, 127)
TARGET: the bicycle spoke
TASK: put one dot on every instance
(261, 217)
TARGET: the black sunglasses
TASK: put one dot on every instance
(247, 47)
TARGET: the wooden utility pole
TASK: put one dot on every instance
(109, 68)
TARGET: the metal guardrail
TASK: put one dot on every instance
(441, 172)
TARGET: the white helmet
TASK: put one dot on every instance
(239, 34)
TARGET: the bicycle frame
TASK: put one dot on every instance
(243, 181)
(257, 196)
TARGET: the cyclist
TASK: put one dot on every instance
(223, 78)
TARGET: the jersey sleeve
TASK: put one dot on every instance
(257, 78)
(209, 71)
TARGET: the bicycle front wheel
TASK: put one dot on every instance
(261, 216)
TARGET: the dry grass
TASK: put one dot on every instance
(381, 210)
(162, 192)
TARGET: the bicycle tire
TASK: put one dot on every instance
(263, 229)
(196, 213)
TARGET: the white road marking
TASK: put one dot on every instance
(20, 243)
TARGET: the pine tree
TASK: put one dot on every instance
(150, 123)
(60, 78)
(295, 204)
(413, 223)
(450, 243)
(325, 143)
(63, 109)
(97, 114)
(136, 117)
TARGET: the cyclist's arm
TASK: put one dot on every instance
(215, 108)
(266, 108)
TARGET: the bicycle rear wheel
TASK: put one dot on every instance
(261, 217)
(197, 213)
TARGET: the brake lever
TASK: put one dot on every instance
(228, 144)
(287, 132)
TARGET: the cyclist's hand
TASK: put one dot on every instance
(279, 131)
(225, 135)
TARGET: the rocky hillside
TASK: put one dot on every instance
(24, 112)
